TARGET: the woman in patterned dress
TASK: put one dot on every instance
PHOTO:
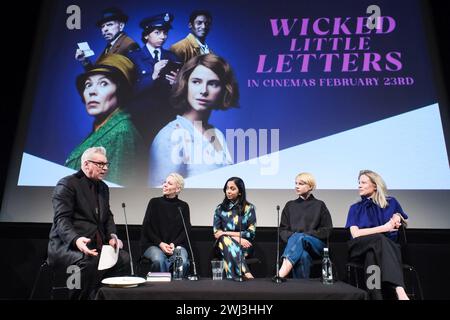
(234, 228)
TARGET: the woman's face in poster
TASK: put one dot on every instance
(99, 95)
(204, 89)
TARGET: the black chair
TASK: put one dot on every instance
(316, 269)
(144, 265)
(355, 271)
(252, 263)
(251, 260)
(355, 274)
(55, 281)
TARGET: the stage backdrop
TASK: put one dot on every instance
(325, 87)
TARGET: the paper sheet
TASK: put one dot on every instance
(108, 256)
(86, 49)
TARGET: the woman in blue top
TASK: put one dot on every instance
(234, 222)
(374, 222)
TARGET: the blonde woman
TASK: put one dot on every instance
(305, 226)
(374, 223)
(162, 228)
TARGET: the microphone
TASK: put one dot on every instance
(193, 276)
(277, 278)
(120, 279)
(239, 278)
(128, 239)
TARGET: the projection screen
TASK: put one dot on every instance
(326, 87)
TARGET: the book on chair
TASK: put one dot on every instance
(159, 277)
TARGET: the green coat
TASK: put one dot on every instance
(124, 149)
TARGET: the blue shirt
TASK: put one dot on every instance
(367, 214)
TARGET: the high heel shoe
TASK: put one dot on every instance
(248, 276)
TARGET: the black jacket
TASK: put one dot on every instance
(163, 223)
(74, 206)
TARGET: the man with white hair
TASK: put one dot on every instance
(83, 223)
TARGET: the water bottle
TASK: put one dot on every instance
(327, 270)
(178, 264)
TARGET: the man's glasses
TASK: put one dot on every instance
(100, 165)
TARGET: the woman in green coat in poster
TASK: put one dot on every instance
(104, 89)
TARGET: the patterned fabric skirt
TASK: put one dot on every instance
(229, 250)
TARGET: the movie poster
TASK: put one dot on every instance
(256, 89)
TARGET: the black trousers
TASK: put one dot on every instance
(91, 277)
(379, 250)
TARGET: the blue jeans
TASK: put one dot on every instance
(298, 251)
(163, 263)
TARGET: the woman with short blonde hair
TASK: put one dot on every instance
(305, 227)
(163, 228)
(178, 179)
(308, 179)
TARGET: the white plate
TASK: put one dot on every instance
(123, 282)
